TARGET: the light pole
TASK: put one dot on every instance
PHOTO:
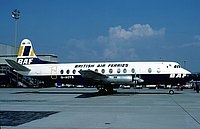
(16, 15)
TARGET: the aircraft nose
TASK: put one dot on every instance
(187, 72)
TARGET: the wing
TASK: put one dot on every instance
(89, 74)
(16, 65)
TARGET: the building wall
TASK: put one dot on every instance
(9, 52)
(7, 49)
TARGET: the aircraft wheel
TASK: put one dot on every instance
(109, 90)
(102, 92)
(171, 92)
(106, 90)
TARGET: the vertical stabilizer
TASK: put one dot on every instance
(26, 54)
(26, 49)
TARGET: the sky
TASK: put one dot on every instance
(107, 30)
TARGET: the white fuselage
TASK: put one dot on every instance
(107, 68)
(67, 72)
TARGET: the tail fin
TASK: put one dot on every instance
(26, 49)
(26, 54)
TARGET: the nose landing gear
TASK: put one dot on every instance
(171, 92)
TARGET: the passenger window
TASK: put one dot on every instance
(96, 70)
(133, 70)
(103, 71)
(61, 71)
(74, 71)
(124, 70)
(149, 70)
(158, 70)
(67, 71)
(110, 70)
(118, 70)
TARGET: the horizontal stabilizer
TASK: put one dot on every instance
(89, 74)
(16, 65)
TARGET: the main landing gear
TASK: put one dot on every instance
(105, 90)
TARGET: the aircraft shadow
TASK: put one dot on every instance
(84, 94)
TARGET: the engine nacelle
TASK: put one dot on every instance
(137, 79)
(125, 79)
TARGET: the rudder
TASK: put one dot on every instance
(26, 49)
(26, 54)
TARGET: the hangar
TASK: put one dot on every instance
(8, 77)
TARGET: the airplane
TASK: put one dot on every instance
(104, 75)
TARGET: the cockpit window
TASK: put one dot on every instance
(177, 66)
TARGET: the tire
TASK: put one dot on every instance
(171, 92)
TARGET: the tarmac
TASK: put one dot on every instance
(83, 108)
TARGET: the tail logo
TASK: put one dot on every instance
(25, 61)
(26, 53)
